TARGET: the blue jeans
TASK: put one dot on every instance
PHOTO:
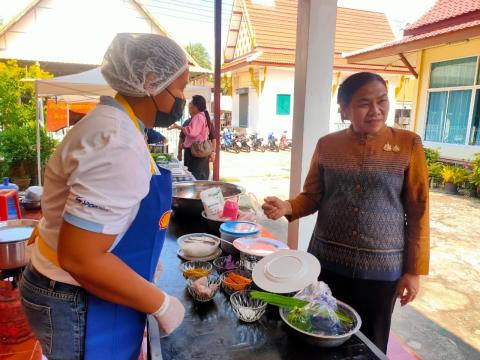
(56, 313)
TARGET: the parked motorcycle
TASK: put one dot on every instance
(229, 143)
(285, 144)
(257, 143)
(272, 143)
(242, 143)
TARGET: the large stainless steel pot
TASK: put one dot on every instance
(186, 195)
(14, 235)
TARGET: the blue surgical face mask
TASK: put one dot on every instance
(163, 119)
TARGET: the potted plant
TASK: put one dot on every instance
(475, 176)
(432, 155)
(452, 177)
(435, 173)
(18, 149)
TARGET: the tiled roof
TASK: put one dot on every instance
(277, 58)
(445, 10)
(287, 59)
(274, 29)
(415, 38)
(356, 29)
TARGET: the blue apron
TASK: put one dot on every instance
(114, 331)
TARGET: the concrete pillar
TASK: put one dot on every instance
(313, 85)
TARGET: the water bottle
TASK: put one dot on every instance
(7, 185)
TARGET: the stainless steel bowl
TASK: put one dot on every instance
(31, 205)
(186, 195)
(13, 247)
(33, 194)
(213, 225)
(326, 341)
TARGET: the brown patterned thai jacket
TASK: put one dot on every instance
(371, 193)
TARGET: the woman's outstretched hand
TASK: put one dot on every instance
(274, 208)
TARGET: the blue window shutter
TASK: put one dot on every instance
(459, 72)
(437, 104)
(283, 104)
(457, 116)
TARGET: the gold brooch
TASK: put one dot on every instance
(387, 147)
(396, 148)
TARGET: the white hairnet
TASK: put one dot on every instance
(142, 64)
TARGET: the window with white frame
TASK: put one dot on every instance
(453, 112)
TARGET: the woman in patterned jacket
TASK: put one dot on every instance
(369, 184)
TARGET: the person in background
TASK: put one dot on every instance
(211, 137)
(156, 137)
(196, 129)
(106, 207)
(369, 185)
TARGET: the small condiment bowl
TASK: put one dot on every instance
(212, 280)
(247, 308)
(230, 287)
(188, 268)
(218, 263)
(198, 248)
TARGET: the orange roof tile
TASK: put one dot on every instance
(274, 29)
(287, 59)
(356, 29)
(444, 10)
(275, 26)
(474, 26)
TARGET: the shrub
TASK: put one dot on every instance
(435, 170)
(432, 155)
(18, 149)
(475, 175)
(454, 174)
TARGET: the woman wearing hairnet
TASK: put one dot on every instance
(106, 207)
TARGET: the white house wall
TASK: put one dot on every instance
(241, 80)
(72, 31)
(278, 81)
(262, 109)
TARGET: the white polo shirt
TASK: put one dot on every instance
(95, 180)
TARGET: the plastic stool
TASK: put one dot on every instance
(4, 196)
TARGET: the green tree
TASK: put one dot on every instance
(17, 93)
(17, 120)
(200, 54)
(19, 152)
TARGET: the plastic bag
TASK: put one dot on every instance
(249, 208)
(320, 315)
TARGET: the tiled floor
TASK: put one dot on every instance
(30, 350)
(398, 351)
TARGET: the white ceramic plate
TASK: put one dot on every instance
(259, 246)
(215, 255)
(286, 271)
